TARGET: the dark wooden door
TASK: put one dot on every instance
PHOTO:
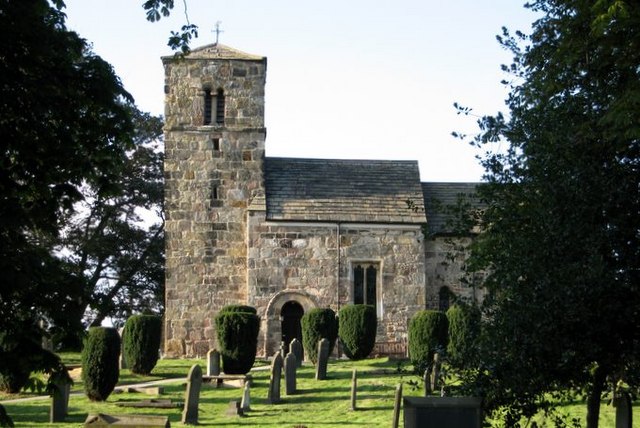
(291, 314)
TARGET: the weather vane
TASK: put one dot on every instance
(217, 31)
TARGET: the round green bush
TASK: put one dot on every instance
(237, 333)
(317, 324)
(428, 333)
(141, 342)
(100, 368)
(239, 308)
(357, 325)
(464, 329)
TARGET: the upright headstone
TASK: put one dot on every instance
(246, 398)
(354, 387)
(192, 396)
(273, 396)
(323, 359)
(426, 378)
(624, 415)
(59, 401)
(213, 363)
(283, 350)
(123, 362)
(435, 372)
(296, 347)
(396, 406)
(290, 367)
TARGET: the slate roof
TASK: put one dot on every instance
(219, 51)
(439, 196)
(367, 191)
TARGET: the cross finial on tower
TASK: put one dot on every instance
(217, 30)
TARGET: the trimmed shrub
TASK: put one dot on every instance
(317, 324)
(100, 368)
(357, 325)
(237, 332)
(464, 329)
(428, 333)
(141, 342)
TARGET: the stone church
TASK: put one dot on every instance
(286, 235)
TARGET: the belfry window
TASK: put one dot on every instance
(220, 107)
(365, 285)
(208, 102)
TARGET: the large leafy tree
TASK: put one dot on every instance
(562, 224)
(65, 123)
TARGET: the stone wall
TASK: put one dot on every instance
(311, 263)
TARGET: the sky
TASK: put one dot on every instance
(349, 79)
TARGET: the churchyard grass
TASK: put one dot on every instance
(323, 403)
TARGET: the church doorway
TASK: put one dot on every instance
(290, 314)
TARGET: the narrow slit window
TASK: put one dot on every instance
(208, 103)
(220, 107)
(214, 192)
(216, 144)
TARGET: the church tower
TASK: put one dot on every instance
(214, 155)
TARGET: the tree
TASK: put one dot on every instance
(561, 227)
(179, 40)
(64, 123)
(113, 245)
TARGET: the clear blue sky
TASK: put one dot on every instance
(345, 79)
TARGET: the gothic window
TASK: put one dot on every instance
(220, 107)
(208, 102)
(444, 299)
(365, 284)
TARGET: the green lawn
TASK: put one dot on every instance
(317, 404)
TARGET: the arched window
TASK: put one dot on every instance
(444, 299)
(208, 102)
(220, 107)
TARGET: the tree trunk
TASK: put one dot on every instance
(593, 401)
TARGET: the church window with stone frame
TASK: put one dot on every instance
(220, 107)
(208, 103)
(366, 285)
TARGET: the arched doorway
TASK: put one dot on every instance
(290, 316)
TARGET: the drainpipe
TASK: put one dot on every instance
(338, 278)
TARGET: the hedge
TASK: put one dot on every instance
(428, 333)
(100, 365)
(357, 325)
(141, 342)
(237, 332)
(317, 324)
(464, 330)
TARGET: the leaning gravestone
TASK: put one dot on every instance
(443, 412)
(213, 363)
(245, 404)
(296, 347)
(192, 396)
(290, 367)
(624, 415)
(426, 378)
(273, 396)
(59, 401)
(354, 387)
(323, 359)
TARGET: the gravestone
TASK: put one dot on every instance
(323, 359)
(59, 401)
(141, 421)
(192, 396)
(435, 372)
(624, 414)
(213, 363)
(396, 407)
(283, 350)
(296, 347)
(122, 360)
(442, 412)
(426, 378)
(234, 409)
(354, 386)
(290, 367)
(245, 405)
(273, 396)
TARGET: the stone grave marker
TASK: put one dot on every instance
(435, 372)
(141, 421)
(273, 396)
(192, 396)
(213, 363)
(296, 347)
(283, 350)
(234, 409)
(59, 401)
(354, 387)
(245, 405)
(443, 412)
(426, 378)
(323, 359)
(624, 414)
(290, 368)
(396, 407)
(122, 360)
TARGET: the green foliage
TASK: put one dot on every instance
(239, 308)
(141, 342)
(357, 325)
(100, 365)
(464, 331)
(237, 333)
(317, 324)
(561, 242)
(428, 334)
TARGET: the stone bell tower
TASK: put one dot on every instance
(214, 153)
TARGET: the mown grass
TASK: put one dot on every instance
(317, 403)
